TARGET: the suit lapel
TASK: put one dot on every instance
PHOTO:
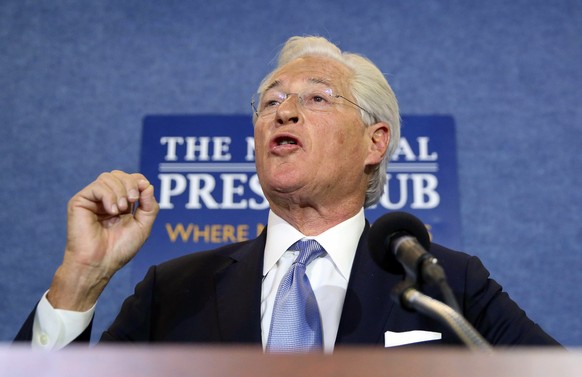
(366, 311)
(238, 292)
(367, 306)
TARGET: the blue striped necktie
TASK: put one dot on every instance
(296, 322)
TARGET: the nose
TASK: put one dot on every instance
(288, 110)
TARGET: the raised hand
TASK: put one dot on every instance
(104, 231)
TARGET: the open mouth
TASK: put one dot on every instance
(284, 143)
(285, 140)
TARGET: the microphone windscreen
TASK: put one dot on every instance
(385, 229)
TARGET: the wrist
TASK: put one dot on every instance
(76, 289)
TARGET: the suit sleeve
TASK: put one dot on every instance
(25, 332)
(133, 321)
(495, 315)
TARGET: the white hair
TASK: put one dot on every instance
(368, 87)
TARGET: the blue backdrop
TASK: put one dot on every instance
(77, 77)
(203, 167)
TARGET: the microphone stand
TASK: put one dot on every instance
(406, 294)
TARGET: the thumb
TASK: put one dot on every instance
(148, 207)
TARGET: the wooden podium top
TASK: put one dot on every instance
(176, 361)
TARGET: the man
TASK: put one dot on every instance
(325, 125)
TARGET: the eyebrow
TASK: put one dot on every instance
(313, 80)
(272, 85)
(316, 80)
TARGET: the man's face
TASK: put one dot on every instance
(308, 152)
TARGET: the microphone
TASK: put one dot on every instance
(398, 242)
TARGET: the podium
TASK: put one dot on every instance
(213, 361)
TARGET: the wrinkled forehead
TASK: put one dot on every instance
(309, 70)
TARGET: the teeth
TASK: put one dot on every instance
(285, 142)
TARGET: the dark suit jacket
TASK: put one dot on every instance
(214, 297)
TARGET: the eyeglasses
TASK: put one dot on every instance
(321, 99)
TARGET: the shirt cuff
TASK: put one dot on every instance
(53, 328)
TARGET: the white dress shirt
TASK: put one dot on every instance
(329, 275)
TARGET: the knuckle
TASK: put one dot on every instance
(103, 176)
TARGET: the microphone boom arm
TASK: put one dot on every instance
(410, 297)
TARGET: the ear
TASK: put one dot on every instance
(379, 136)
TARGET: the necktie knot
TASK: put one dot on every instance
(308, 251)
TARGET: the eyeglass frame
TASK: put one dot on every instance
(287, 95)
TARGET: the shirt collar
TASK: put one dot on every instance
(340, 241)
